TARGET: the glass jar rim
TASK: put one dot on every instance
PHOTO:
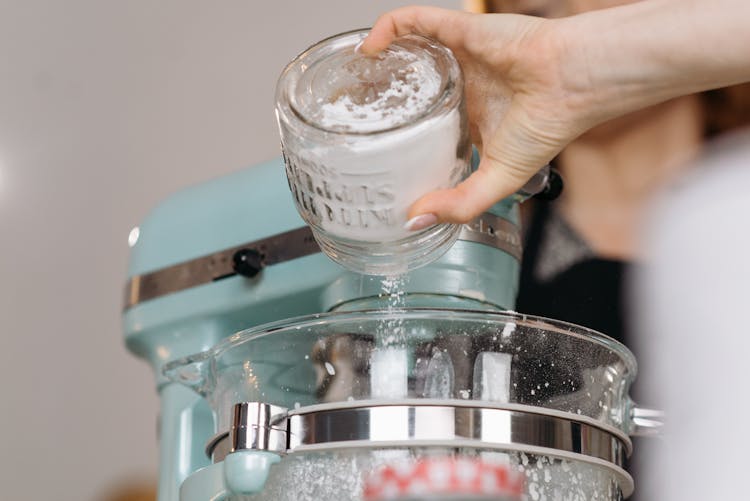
(449, 97)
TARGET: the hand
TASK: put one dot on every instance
(533, 85)
(520, 105)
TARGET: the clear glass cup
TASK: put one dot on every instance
(364, 137)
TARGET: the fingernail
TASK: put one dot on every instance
(358, 46)
(421, 222)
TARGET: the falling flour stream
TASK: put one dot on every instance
(390, 361)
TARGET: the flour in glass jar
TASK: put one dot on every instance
(393, 150)
(387, 92)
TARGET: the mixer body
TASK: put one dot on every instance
(233, 253)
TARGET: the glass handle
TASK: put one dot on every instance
(646, 422)
(192, 372)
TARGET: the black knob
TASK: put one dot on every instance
(553, 188)
(247, 262)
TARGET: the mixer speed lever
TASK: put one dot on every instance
(247, 262)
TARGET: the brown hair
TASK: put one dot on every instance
(724, 109)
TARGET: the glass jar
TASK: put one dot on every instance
(364, 138)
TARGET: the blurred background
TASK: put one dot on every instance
(107, 107)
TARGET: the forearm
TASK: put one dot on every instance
(655, 50)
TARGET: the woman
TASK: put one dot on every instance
(615, 89)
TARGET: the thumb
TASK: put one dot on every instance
(490, 183)
(512, 156)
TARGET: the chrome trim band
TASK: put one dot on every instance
(259, 426)
(429, 424)
(485, 428)
(476, 404)
(487, 229)
(206, 269)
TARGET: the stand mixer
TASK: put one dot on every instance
(208, 263)
(314, 395)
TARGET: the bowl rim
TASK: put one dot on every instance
(298, 323)
(450, 94)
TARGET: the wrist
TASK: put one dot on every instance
(585, 100)
(617, 60)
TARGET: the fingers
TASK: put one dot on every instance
(520, 146)
(446, 26)
(509, 159)
(480, 191)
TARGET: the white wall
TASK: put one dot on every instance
(106, 107)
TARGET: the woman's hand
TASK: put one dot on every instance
(520, 104)
(533, 85)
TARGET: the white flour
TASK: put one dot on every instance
(359, 185)
(386, 93)
(361, 189)
(339, 474)
(389, 369)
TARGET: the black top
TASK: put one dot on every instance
(561, 278)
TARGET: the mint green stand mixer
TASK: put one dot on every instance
(277, 370)
(211, 261)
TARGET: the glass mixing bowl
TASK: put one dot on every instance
(462, 356)
(539, 395)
